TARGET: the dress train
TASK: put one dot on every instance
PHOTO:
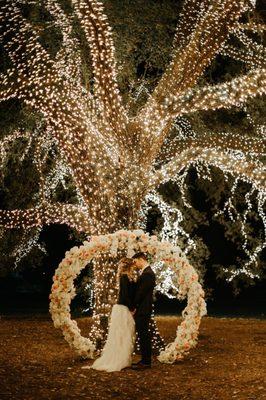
(119, 346)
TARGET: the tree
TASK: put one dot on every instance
(118, 157)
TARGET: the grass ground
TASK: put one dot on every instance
(228, 363)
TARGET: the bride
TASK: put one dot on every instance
(118, 349)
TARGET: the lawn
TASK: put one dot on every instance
(228, 363)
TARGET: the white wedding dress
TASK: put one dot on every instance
(118, 349)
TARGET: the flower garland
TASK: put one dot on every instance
(63, 290)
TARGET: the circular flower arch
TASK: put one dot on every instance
(63, 290)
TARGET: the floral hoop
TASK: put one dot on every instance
(63, 290)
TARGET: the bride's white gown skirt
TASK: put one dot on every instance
(118, 349)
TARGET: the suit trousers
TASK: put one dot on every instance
(144, 334)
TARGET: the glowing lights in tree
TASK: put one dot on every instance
(116, 160)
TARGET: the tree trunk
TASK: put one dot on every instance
(106, 285)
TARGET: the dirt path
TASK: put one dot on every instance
(228, 363)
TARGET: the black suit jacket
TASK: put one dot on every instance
(127, 291)
(144, 292)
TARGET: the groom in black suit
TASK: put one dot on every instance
(143, 309)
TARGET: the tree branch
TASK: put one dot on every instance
(57, 213)
(68, 58)
(191, 13)
(252, 59)
(249, 145)
(99, 37)
(7, 85)
(225, 95)
(251, 171)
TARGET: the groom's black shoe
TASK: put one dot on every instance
(139, 362)
(140, 366)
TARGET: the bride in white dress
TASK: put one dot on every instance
(119, 346)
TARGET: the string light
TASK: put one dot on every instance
(116, 160)
(251, 53)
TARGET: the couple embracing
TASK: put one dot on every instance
(131, 314)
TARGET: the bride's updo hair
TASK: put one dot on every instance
(126, 267)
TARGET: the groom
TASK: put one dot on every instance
(143, 309)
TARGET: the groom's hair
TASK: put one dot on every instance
(141, 255)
